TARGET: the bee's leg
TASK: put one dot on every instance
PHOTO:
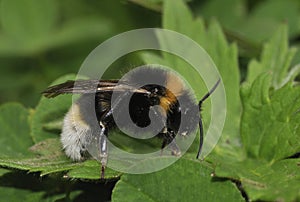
(103, 153)
(173, 146)
(168, 135)
(102, 142)
(165, 140)
(169, 139)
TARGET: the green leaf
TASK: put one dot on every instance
(50, 158)
(269, 127)
(276, 58)
(49, 111)
(270, 134)
(262, 181)
(91, 169)
(234, 15)
(173, 20)
(186, 180)
(270, 122)
(14, 131)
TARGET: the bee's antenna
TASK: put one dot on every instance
(200, 120)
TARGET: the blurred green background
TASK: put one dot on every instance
(41, 40)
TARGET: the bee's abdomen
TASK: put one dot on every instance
(74, 133)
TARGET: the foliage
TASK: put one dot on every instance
(257, 157)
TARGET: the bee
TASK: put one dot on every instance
(93, 115)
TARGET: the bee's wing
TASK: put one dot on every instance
(90, 86)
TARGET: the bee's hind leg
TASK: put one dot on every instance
(102, 142)
(103, 152)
